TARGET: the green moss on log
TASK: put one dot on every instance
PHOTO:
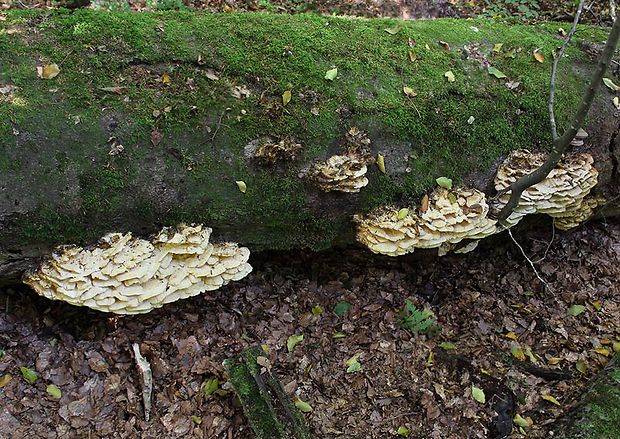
(267, 407)
(76, 191)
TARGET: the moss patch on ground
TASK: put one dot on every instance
(598, 415)
(125, 75)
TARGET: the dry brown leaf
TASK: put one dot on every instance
(156, 136)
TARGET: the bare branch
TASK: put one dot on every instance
(612, 9)
(561, 144)
(554, 71)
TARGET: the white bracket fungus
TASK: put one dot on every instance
(451, 216)
(343, 173)
(127, 275)
(562, 191)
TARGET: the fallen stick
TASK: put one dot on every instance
(144, 370)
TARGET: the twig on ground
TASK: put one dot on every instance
(547, 286)
(548, 244)
(219, 124)
(144, 369)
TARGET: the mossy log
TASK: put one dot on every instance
(152, 116)
(268, 408)
(597, 414)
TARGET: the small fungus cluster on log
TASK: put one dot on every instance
(344, 173)
(127, 275)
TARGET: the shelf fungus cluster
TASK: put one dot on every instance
(268, 150)
(127, 275)
(450, 217)
(560, 195)
(343, 173)
(447, 218)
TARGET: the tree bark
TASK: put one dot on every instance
(151, 118)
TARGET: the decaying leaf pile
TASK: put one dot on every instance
(356, 372)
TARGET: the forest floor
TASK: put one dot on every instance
(531, 10)
(531, 348)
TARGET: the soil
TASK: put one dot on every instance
(501, 330)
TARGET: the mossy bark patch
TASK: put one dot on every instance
(597, 415)
(267, 407)
(125, 75)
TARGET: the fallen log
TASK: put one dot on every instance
(268, 408)
(126, 122)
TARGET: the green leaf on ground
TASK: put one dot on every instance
(303, 406)
(402, 431)
(330, 75)
(209, 387)
(575, 310)
(444, 182)
(53, 391)
(286, 97)
(293, 341)
(447, 346)
(353, 364)
(478, 394)
(29, 375)
(495, 72)
(342, 308)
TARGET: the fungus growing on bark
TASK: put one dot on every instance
(563, 190)
(127, 275)
(579, 139)
(268, 150)
(449, 217)
(343, 173)
(578, 214)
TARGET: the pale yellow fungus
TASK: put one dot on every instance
(127, 275)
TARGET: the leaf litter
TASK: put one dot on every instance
(399, 383)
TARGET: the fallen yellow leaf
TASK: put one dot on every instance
(286, 97)
(381, 163)
(409, 92)
(551, 399)
(242, 186)
(48, 71)
(511, 335)
(5, 380)
(165, 79)
(539, 56)
(602, 351)
(517, 352)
